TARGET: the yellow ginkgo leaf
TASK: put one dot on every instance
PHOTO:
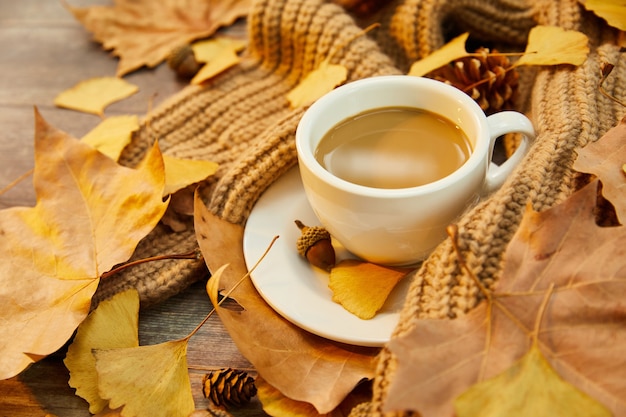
(219, 54)
(362, 287)
(148, 381)
(112, 135)
(179, 173)
(317, 83)
(553, 45)
(613, 11)
(220, 63)
(93, 95)
(530, 387)
(113, 324)
(451, 51)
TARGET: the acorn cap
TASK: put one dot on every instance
(309, 236)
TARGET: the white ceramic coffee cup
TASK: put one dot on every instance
(402, 226)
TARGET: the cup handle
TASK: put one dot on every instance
(500, 124)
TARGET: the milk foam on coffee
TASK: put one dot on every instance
(393, 147)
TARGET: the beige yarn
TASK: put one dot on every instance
(243, 121)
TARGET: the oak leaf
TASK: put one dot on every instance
(605, 159)
(582, 333)
(316, 83)
(112, 135)
(302, 366)
(95, 94)
(89, 216)
(113, 324)
(144, 32)
(613, 11)
(553, 45)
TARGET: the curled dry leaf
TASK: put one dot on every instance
(362, 287)
(113, 324)
(582, 334)
(90, 215)
(302, 366)
(95, 94)
(144, 32)
(112, 135)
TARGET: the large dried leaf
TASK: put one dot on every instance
(553, 45)
(605, 158)
(113, 324)
(582, 333)
(613, 11)
(147, 381)
(144, 32)
(95, 94)
(89, 216)
(302, 366)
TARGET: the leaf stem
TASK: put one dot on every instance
(189, 255)
(17, 181)
(606, 69)
(540, 313)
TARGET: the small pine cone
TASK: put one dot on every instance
(488, 78)
(228, 387)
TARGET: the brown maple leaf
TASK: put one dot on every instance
(582, 331)
(302, 366)
(89, 216)
(144, 32)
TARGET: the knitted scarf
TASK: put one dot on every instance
(243, 121)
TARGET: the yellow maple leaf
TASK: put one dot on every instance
(144, 32)
(179, 173)
(94, 94)
(113, 324)
(112, 135)
(89, 216)
(531, 387)
(317, 83)
(451, 51)
(613, 11)
(362, 287)
(150, 381)
(553, 45)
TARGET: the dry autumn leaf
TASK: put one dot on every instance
(613, 11)
(604, 158)
(89, 216)
(112, 135)
(144, 32)
(454, 49)
(218, 54)
(147, 381)
(95, 94)
(582, 333)
(113, 324)
(179, 173)
(302, 366)
(531, 378)
(362, 287)
(553, 45)
(318, 82)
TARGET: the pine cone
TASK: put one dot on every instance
(228, 387)
(488, 78)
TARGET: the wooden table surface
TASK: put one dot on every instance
(43, 51)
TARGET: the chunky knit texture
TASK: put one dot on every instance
(242, 120)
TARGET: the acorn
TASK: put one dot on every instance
(183, 61)
(314, 244)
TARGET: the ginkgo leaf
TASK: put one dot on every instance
(147, 381)
(144, 32)
(613, 11)
(95, 94)
(304, 367)
(317, 83)
(179, 173)
(553, 45)
(89, 216)
(531, 387)
(113, 324)
(218, 54)
(362, 287)
(112, 135)
(454, 49)
(225, 59)
(603, 158)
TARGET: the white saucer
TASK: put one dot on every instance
(295, 289)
